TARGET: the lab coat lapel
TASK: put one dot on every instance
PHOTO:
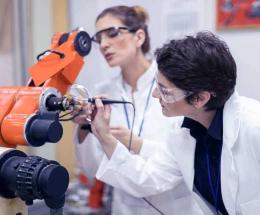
(229, 174)
(184, 150)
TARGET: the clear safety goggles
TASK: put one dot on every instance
(171, 95)
(110, 33)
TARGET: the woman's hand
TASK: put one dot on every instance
(100, 127)
(122, 134)
(83, 114)
(83, 118)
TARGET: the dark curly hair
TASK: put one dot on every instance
(199, 63)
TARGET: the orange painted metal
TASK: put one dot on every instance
(23, 102)
(54, 71)
(95, 199)
(96, 191)
(17, 104)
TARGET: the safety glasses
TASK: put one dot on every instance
(111, 32)
(171, 95)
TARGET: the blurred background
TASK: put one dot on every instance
(26, 28)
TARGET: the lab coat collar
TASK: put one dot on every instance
(184, 150)
(146, 79)
(229, 174)
(143, 82)
(231, 120)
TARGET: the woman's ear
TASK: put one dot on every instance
(201, 99)
(140, 37)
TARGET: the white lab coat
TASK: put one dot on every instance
(156, 128)
(240, 162)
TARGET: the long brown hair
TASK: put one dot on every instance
(134, 18)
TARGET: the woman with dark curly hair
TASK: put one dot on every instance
(215, 149)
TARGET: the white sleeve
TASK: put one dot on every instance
(149, 147)
(137, 176)
(89, 154)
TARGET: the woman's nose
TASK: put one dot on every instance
(155, 93)
(104, 42)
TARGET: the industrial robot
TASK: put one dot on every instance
(30, 115)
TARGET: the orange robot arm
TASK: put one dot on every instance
(25, 118)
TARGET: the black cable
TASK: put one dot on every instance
(155, 208)
(60, 117)
(70, 118)
(107, 101)
(110, 102)
(132, 128)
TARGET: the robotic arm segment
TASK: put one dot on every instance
(29, 115)
(25, 101)
(64, 59)
(24, 118)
